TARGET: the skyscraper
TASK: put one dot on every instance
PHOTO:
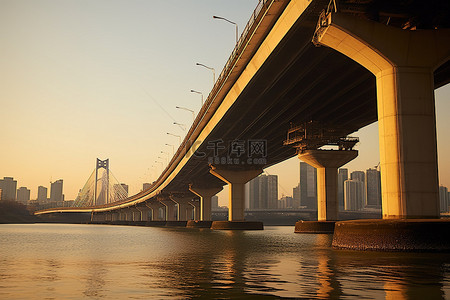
(353, 194)
(308, 186)
(23, 195)
(125, 187)
(214, 203)
(9, 187)
(42, 195)
(263, 192)
(56, 191)
(296, 197)
(373, 188)
(443, 199)
(342, 177)
(146, 186)
(360, 176)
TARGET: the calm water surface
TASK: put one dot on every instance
(55, 261)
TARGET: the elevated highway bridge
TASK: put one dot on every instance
(346, 63)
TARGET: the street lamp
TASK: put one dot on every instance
(184, 108)
(167, 160)
(173, 148)
(164, 152)
(197, 92)
(183, 126)
(179, 137)
(212, 69)
(222, 18)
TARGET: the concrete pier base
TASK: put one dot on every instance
(409, 235)
(198, 224)
(237, 225)
(314, 226)
(155, 223)
(176, 223)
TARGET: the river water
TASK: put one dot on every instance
(59, 261)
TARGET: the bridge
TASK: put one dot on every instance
(339, 64)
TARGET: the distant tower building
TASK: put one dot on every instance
(373, 188)
(146, 186)
(56, 191)
(285, 202)
(308, 186)
(125, 187)
(42, 195)
(296, 197)
(443, 198)
(214, 203)
(23, 195)
(342, 177)
(360, 176)
(263, 192)
(9, 187)
(353, 193)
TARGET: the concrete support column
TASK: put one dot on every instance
(143, 212)
(205, 195)
(236, 180)
(155, 205)
(197, 211)
(327, 163)
(403, 62)
(170, 208)
(184, 207)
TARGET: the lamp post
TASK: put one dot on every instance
(164, 152)
(179, 137)
(167, 162)
(212, 69)
(173, 148)
(184, 108)
(197, 92)
(237, 31)
(183, 126)
(159, 162)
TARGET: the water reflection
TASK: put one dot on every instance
(116, 262)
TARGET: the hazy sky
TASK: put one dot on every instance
(85, 79)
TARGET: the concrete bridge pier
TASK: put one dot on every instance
(143, 213)
(155, 206)
(205, 194)
(171, 209)
(327, 163)
(184, 210)
(196, 205)
(236, 179)
(403, 62)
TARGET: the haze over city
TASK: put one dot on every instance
(87, 79)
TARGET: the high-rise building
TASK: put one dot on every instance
(214, 203)
(443, 199)
(373, 188)
(42, 194)
(353, 194)
(263, 192)
(308, 186)
(56, 191)
(125, 187)
(285, 202)
(342, 177)
(9, 187)
(296, 197)
(146, 186)
(360, 176)
(23, 195)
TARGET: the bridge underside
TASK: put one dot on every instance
(299, 82)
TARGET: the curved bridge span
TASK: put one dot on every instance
(277, 76)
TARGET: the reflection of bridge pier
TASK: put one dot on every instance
(403, 62)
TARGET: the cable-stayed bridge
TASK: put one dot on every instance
(101, 187)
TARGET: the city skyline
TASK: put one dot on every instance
(76, 85)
